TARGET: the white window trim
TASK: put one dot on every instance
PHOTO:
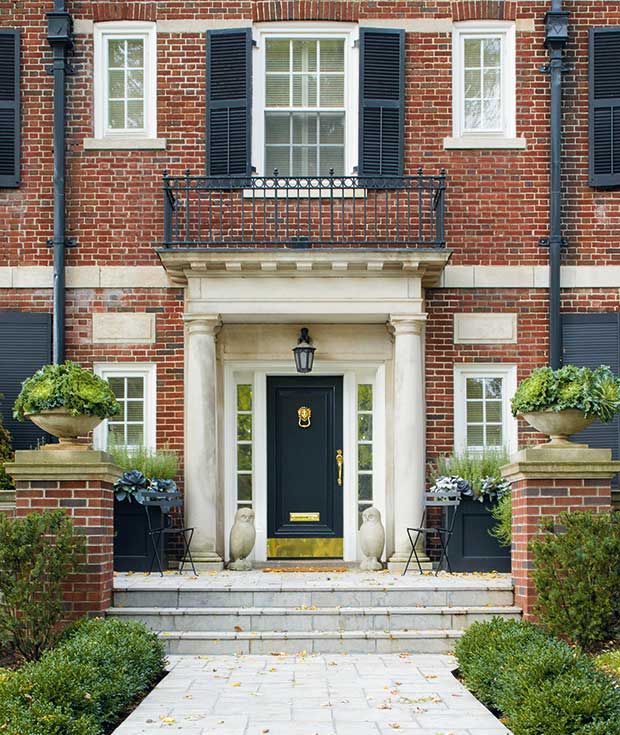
(347, 31)
(148, 371)
(484, 370)
(505, 138)
(125, 29)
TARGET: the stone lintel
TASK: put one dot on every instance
(544, 463)
(58, 465)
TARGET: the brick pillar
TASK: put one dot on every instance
(546, 482)
(80, 484)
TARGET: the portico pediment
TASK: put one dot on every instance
(325, 285)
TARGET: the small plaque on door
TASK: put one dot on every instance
(304, 517)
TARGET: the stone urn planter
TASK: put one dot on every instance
(559, 425)
(67, 428)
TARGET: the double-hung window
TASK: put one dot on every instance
(482, 418)
(306, 94)
(484, 83)
(125, 80)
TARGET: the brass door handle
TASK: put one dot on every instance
(339, 462)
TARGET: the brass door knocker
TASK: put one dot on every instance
(303, 415)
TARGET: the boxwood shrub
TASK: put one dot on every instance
(85, 684)
(537, 683)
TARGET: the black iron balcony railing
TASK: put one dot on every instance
(325, 211)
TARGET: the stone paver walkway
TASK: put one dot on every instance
(312, 695)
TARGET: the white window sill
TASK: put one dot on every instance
(284, 193)
(125, 144)
(484, 141)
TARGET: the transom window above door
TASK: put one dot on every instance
(305, 112)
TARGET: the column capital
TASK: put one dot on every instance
(203, 323)
(407, 324)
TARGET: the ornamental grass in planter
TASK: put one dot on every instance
(67, 401)
(562, 402)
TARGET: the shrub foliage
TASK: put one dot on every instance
(6, 455)
(36, 554)
(85, 684)
(502, 513)
(577, 577)
(161, 463)
(539, 684)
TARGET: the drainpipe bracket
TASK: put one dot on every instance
(544, 242)
(70, 242)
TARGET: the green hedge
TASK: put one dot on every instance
(539, 684)
(85, 684)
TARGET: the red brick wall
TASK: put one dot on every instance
(534, 500)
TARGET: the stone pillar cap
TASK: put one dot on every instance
(39, 464)
(555, 463)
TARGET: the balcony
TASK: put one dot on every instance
(304, 212)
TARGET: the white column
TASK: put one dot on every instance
(409, 433)
(201, 470)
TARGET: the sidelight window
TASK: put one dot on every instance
(364, 448)
(244, 423)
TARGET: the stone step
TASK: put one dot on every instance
(334, 619)
(148, 596)
(354, 641)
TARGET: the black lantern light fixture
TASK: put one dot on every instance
(304, 352)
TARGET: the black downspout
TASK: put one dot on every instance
(556, 37)
(59, 36)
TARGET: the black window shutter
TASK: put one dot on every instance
(382, 102)
(605, 106)
(9, 108)
(25, 346)
(591, 340)
(229, 102)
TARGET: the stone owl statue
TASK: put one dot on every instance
(372, 540)
(242, 538)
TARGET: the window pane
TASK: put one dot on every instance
(494, 411)
(244, 426)
(332, 158)
(244, 398)
(116, 84)
(474, 387)
(135, 114)
(472, 53)
(116, 435)
(135, 435)
(332, 55)
(116, 115)
(278, 55)
(332, 91)
(493, 388)
(304, 90)
(492, 114)
(474, 411)
(135, 84)
(277, 158)
(331, 128)
(244, 487)
(365, 456)
(304, 55)
(135, 53)
(364, 486)
(244, 456)
(135, 411)
(364, 397)
(135, 387)
(364, 426)
(475, 436)
(304, 161)
(494, 436)
(492, 52)
(472, 84)
(304, 128)
(117, 386)
(473, 114)
(116, 54)
(492, 79)
(277, 128)
(277, 90)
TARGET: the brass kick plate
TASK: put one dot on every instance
(304, 517)
(305, 548)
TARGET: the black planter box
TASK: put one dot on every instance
(472, 548)
(133, 548)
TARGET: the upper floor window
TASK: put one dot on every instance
(125, 80)
(306, 102)
(484, 80)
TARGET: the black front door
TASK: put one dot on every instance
(305, 467)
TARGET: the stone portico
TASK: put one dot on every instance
(366, 314)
